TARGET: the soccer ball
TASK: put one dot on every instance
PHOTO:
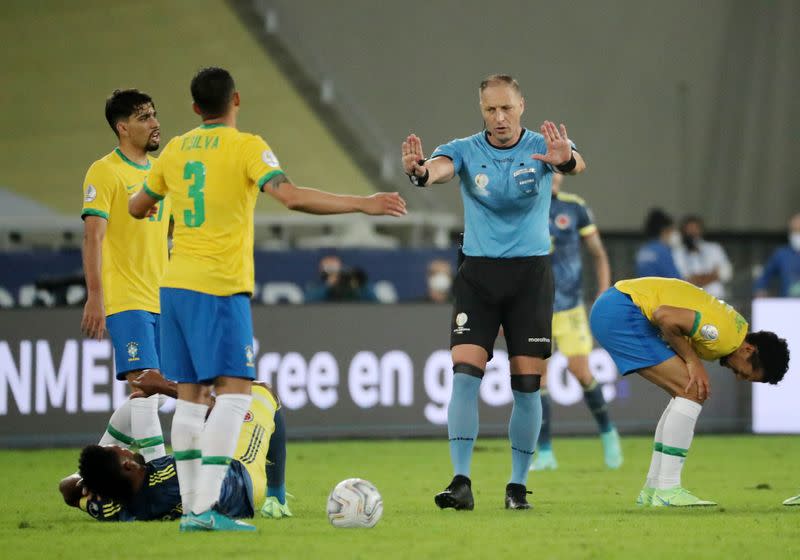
(355, 503)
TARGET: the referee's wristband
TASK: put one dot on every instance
(420, 181)
(568, 166)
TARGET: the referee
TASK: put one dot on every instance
(505, 173)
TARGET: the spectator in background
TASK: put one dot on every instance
(783, 265)
(701, 262)
(654, 258)
(337, 283)
(440, 281)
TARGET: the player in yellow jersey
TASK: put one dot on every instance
(213, 174)
(114, 483)
(124, 258)
(663, 328)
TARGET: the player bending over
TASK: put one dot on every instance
(114, 483)
(634, 319)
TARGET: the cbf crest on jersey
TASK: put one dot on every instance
(133, 351)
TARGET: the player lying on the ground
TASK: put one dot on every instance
(634, 319)
(115, 484)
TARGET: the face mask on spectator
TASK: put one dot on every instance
(439, 282)
(794, 240)
(690, 242)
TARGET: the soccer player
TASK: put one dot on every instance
(213, 174)
(114, 483)
(570, 223)
(505, 173)
(124, 258)
(634, 319)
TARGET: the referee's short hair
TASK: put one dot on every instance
(212, 89)
(500, 79)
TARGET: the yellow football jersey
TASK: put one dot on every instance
(134, 251)
(718, 328)
(213, 175)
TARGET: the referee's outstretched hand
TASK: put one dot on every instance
(559, 148)
(412, 155)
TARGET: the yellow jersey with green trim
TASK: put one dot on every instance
(718, 328)
(212, 175)
(134, 253)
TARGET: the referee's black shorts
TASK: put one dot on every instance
(516, 293)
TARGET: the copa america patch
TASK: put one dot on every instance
(461, 320)
(91, 194)
(709, 332)
(268, 156)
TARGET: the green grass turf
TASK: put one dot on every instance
(581, 510)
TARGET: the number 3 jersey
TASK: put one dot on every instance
(212, 175)
(134, 253)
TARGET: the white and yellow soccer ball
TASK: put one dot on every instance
(355, 503)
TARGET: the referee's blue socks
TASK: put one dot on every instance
(525, 423)
(462, 416)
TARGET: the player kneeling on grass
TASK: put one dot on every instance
(114, 483)
(633, 320)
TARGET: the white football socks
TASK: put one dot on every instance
(676, 440)
(187, 425)
(655, 460)
(146, 427)
(118, 431)
(218, 444)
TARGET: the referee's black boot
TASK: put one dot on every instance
(516, 496)
(457, 495)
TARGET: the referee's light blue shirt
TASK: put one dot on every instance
(506, 195)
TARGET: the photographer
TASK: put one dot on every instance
(337, 283)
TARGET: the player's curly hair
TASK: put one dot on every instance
(212, 89)
(772, 355)
(123, 103)
(101, 471)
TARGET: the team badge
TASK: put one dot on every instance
(709, 332)
(248, 417)
(481, 182)
(91, 193)
(133, 351)
(562, 221)
(268, 156)
(249, 354)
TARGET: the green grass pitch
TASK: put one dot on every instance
(580, 511)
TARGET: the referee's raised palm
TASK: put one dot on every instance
(559, 147)
(412, 155)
